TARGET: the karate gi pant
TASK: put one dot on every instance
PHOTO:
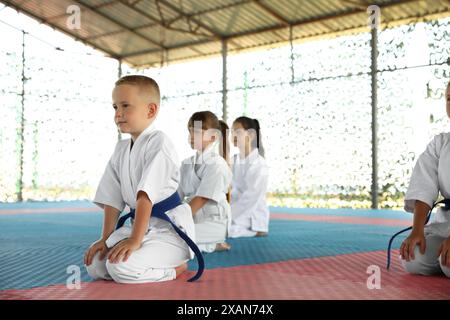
(243, 226)
(160, 252)
(210, 233)
(429, 263)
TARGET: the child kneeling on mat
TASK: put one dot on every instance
(205, 180)
(426, 250)
(143, 173)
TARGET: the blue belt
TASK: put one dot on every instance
(446, 203)
(159, 211)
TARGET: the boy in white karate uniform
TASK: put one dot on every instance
(142, 172)
(426, 251)
(205, 180)
(250, 214)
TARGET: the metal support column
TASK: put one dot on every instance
(374, 70)
(224, 79)
(21, 128)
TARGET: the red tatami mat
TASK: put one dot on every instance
(337, 277)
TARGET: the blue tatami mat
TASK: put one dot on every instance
(367, 213)
(386, 214)
(47, 204)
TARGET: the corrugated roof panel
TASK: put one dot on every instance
(176, 39)
(413, 9)
(186, 25)
(195, 6)
(250, 41)
(238, 19)
(155, 32)
(44, 8)
(146, 59)
(209, 47)
(254, 17)
(257, 39)
(245, 23)
(91, 25)
(309, 30)
(124, 43)
(320, 28)
(97, 2)
(303, 31)
(162, 12)
(285, 8)
(282, 34)
(293, 10)
(278, 35)
(343, 23)
(319, 9)
(220, 21)
(274, 7)
(168, 38)
(125, 15)
(303, 10)
(83, 5)
(409, 11)
(400, 12)
(183, 53)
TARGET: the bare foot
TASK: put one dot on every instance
(180, 269)
(223, 246)
(261, 234)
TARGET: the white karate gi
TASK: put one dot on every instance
(249, 210)
(430, 176)
(208, 175)
(151, 166)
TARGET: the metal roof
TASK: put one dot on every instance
(149, 32)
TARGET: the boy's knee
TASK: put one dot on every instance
(92, 271)
(412, 266)
(422, 264)
(114, 270)
(121, 272)
(445, 269)
(97, 269)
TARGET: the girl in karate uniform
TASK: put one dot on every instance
(249, 211)
(426, 250)
(142, 172)
(205, 179)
